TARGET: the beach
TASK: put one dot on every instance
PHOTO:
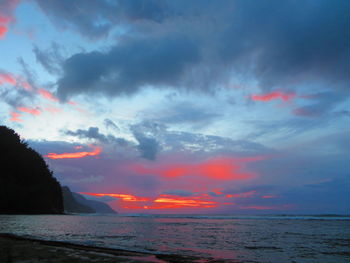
(16, 249)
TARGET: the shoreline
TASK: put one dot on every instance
(15, 248)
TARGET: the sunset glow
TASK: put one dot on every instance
(218, 168)
(96, 151)
(224, 107)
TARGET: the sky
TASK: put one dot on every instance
(209, 107)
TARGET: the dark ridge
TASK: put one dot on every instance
(27, 185)
(98, 206)
(71, 205)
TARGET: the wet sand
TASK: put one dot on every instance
(15, 249)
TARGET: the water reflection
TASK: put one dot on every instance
(277, 239)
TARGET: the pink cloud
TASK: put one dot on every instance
(7, 8)
(47, 95)
(15, 116)
(273, 96)
(32, 111)
(7, 78)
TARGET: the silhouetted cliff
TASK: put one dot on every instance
(71, 205)
(76, 203)
(98, 206)
(26, 183)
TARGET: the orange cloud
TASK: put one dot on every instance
(272, 96)
(132, 202)
(96, 151)
(15, 116)
(47, 95)
(32, 111)
(124, 197)
(168, 201)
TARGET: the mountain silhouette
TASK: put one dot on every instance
(76, 203)
(27, 185)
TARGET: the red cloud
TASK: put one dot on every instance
(272, 96)
(96, 151)
(219, 169)
(31, 111)
(15, 116)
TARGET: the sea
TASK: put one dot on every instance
(220, 238)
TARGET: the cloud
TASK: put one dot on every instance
(6, 78)
(96, 151)
(15, 117)
(292, 175)
(32, 111)
(272, 96)
(110, 124)
(94, 134)
(215, 168)
(127, 67)
(7, 8)
(183, 112)
(285, 46)
(50, 59)
(86, 17)
(322, 103)
(148, 147)
(47, 95)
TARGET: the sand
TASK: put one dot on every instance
(14, 249)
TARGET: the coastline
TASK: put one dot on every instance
(15, 249)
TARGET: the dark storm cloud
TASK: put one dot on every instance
(279, 43)
(129, 66)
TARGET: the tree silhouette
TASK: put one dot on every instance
(27, 185)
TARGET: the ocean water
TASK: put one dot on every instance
(222, 237)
